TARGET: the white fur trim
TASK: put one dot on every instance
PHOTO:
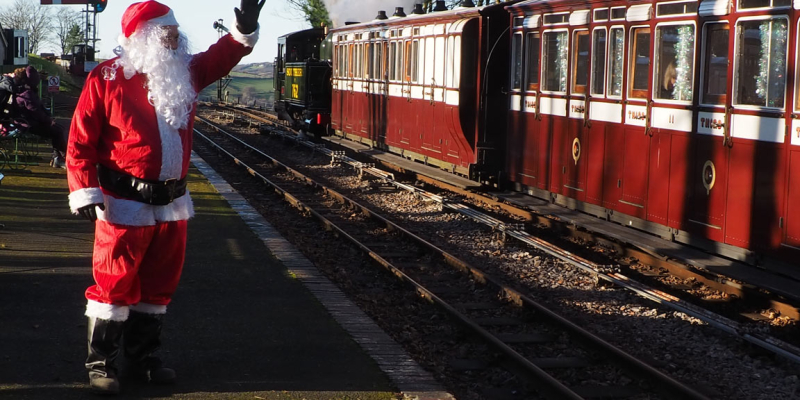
(84, 197)
(164, 20)
(105, 311)
(146, 308)
(171, 150)
(247, 40)
(133, 213)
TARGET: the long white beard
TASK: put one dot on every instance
(169, 82)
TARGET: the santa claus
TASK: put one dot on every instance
(127, 161)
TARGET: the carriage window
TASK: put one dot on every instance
(392, 54)
(398, 69)
(761, 59)
(412, 61)
(715, 76)
(532, 50)
(674, 62)
(764, 3)
(580, 60)
(598, 61)
(615, 59)
(457, 62)
(369, 54)
(448, 73)
(516, 57)
(639, 63)
(438, 68)
(555, 61)
(349, 60)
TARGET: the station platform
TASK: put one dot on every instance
(252, 318)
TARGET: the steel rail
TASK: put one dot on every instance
(767, 342)
(534, 371)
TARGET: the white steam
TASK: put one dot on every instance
(342, 11)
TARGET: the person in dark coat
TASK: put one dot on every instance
(9, 86)
(35, 118)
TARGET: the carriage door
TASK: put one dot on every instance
(553, 100)
(575, 142)
(758, 130)
(790, 219)
(636, 141)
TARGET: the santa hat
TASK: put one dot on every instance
(151, 12)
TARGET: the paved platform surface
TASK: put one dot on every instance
(240, 325)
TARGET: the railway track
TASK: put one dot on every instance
(608, 273)
(535, 342)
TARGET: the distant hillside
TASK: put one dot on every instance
(260, 70)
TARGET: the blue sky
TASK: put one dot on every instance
(196, 18)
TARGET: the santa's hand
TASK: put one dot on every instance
(89, 211)
(247, 17)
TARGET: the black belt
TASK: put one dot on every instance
(157, 193)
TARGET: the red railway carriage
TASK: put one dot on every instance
(677, 117)
(426, 86)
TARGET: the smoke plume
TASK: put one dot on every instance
(342, 11)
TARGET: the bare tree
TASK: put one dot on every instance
(31, 16)
(68, 30)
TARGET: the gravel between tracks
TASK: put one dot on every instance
(682, 346)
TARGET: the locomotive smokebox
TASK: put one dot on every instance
(398, 12)
(440, 6)
(381, 15)
(467, 3)
(418, 9)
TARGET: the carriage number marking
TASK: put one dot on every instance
(295, 91)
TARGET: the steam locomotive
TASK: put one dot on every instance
(302, 75)
(679, 117)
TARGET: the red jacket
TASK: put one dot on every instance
(115, 125)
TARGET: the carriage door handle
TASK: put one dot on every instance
(726, 130)
(647, 128)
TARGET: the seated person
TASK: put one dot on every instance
(33, 116)
(9, 86)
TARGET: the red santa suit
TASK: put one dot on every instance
(139, 248)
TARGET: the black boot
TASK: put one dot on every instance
(142, 337)
(104, 336)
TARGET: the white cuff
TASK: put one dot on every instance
(84, 197)
(106, 311)
(248, 40)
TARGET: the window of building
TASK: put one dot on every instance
(761, 62)
(580, 62)
(20, 48)
(674, 62)
(554, 62)
(639, 68)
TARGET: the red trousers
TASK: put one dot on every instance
(133, 264)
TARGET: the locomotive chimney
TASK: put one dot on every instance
(467, 3)
(418, 9)
(381, 15)
(440, 6)
(398, 12)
